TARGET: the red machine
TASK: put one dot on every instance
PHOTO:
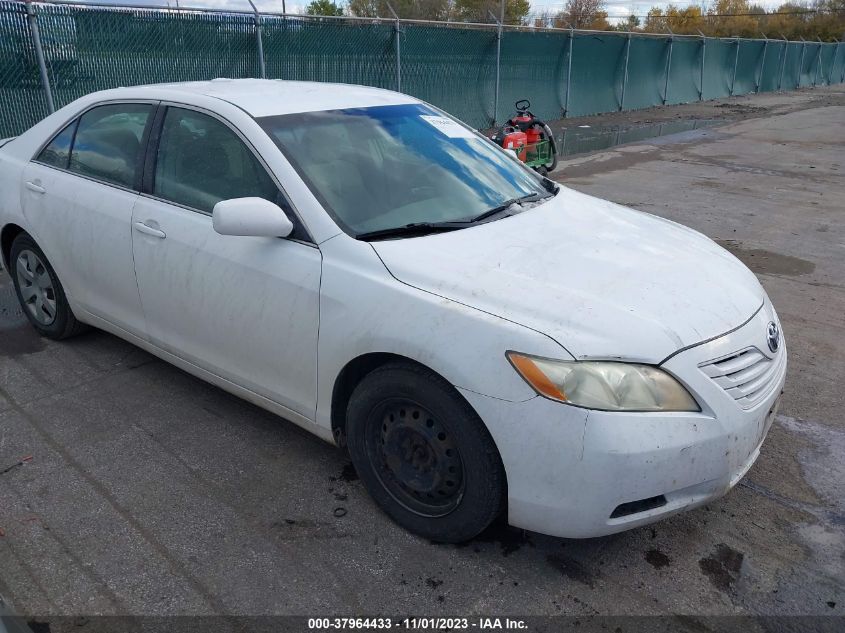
(530, 138)
(514, 139)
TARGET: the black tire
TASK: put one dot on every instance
(423, 454)
(547, 131)
(63, 323)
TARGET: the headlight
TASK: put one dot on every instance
(604, 385)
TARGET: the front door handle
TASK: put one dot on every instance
(35, 187)
(148, 230)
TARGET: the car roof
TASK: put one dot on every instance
(269, 97)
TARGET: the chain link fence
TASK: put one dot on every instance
(473, 71)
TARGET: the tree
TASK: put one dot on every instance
(323, 7)
(584, 14)
(408, 9)
(727, 18)
(516, 11)
(543, 19)
(688, 21)
(786, 20)
(631, 23)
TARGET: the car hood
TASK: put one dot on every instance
(602, 280)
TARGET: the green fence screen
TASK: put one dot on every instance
(454, 66)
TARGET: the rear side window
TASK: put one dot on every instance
(108, 143)
(201, 162)
(57, 153)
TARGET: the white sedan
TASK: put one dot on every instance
(481, 339)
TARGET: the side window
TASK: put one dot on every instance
(108, 143)
(201, 162)
(57, 153)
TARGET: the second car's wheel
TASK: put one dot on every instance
(423, 453)
(39, 291)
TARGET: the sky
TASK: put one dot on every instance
(616, 9)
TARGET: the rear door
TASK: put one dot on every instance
(78, 194)
(243, 308)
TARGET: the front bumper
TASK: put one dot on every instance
(581, 473)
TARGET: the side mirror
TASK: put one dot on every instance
(250, 216)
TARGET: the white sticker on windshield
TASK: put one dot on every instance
(447, 126)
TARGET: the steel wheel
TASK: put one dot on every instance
(415, 458)
(36, 287)
(423, 454)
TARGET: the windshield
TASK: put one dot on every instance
(385, 167)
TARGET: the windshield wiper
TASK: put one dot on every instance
(415, 228)
(424, 228)
(507, 204)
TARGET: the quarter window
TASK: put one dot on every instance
(57, 153)
(108, 143)
(201, 162)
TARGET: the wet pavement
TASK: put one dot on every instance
(584, 138)
(150, 492)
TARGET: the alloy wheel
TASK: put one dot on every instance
(36, 287)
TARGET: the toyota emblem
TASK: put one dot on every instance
(773, 336)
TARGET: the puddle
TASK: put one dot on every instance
(22, 339)
(763, 261)
(572, 569)
(579, 140)
(822, 468)
(723, 566)
(657, 559)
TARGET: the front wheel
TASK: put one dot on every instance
(423, 454)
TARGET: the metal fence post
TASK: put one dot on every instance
(818, 62)
(568, 73)
(498, 67)
(736, 63)
(261, 67)
(703, 54)
(32, 20)
(833, 63)
(668, 67)
(762, 64)
(801, 63)
(783, 60)
(842, 77)
(625, 73)
(398, 50)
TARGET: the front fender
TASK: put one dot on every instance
(363, 309)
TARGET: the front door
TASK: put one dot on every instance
(243, 308)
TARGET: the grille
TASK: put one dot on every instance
(747, 376)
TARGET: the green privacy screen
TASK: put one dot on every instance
(563, 73)
(22, 100)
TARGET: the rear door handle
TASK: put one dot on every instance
(36, 188)
(148, 230)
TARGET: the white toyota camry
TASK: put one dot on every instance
(481, 339)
